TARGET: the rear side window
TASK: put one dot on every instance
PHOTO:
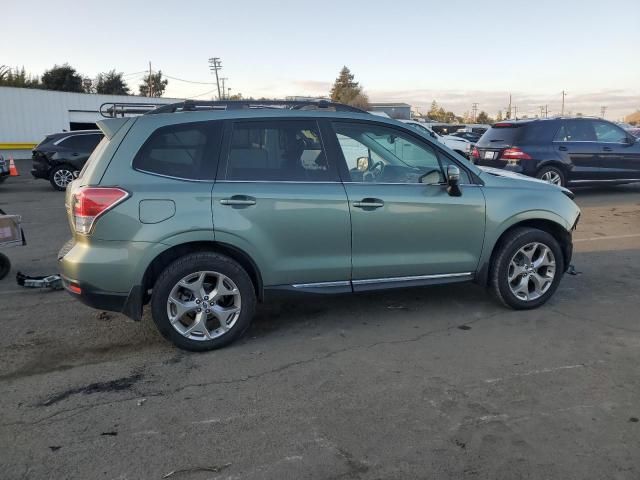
(83, 143)
(278, 151)
(188, 150)
(576, 131)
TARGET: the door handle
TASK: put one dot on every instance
(607, 149)
(563, 148)
(369, 203)
(239, 200)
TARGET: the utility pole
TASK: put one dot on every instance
(150, 82)
(603, 109)
(563, 95)
(222, 79)
(474, 109)
(541, 111)
(229, 92)
(214, 65)
(509, 108)
(546, 111)
(515, 112)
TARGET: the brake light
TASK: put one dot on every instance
(514, 153)
(89, 203)
(503, 125)
(475, 153)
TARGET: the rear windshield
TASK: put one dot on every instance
(47, 139)
(509, 134)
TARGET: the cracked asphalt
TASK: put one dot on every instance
(439, 382)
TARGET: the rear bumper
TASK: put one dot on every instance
(129, 304)
(40, 173)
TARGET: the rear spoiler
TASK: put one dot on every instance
(111, 126)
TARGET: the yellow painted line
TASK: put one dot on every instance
(17, 146)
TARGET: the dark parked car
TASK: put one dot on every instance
(58, 156)
(471, 136)
(562, 151)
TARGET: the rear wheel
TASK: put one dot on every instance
(5, 265)
(553, 175)
(527, 268)
(61, 176)
(203, 301)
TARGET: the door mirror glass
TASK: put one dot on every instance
(363, 164)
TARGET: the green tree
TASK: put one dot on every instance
(499, 116)
(64, 78)
(156, 82)
(111, 83)
(346, 90)
(434, 111)
(17, 78)
(483, 118)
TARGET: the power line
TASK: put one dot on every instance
(187, 81)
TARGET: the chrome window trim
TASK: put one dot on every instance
(414, 184)
(172, 177)
(412, 278)
(333, 182)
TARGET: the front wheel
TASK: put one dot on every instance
(527, 268)
(60, 177)
(552, 175)
(203, 301)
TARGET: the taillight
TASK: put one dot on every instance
(475, 153)
(514, 153)
(89, 203)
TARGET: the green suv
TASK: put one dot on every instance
(204, 210)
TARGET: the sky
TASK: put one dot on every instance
(456, 52)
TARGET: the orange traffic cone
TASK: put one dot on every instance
(13, 171)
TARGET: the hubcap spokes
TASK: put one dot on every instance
(204, 305)
(552, 177)
(531, 271)
(62, 178)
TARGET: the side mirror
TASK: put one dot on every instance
(363, 164)
(453, 181)
(630, 140)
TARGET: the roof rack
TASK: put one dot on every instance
(112, 110)
(197, 105)
(120, 109)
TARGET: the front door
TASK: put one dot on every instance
(279, 199)
(404, 223)
(619, 159)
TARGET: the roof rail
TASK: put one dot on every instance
(120, 109)
(198, 105)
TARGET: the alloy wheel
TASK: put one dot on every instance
(551, 176)
(531, 271)
(62, 178)
(204, 305)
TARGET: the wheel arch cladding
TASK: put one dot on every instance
(161, 261)
(557, 231)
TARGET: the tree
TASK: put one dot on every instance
(112, 83)
(499, 116)
(63, 78)
(17, 78)
(156, 82)
(346, 90)
(483, 118)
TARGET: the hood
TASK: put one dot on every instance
(518, 177)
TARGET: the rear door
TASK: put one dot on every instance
(619, 159)
(575, 142)
(79, 147)
(278, 197)
(404, 223)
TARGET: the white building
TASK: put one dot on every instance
(27, 115)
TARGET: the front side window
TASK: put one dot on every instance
(188, 150)
(605, 132)
(289, 150)
(380, 154)
(576, 131)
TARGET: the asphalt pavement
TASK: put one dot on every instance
(438, 382)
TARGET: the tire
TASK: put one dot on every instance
(5, 265)
(554, 175)
(199, 272)
(61, 176)
(508, 277)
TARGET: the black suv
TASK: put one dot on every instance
(562, 151)
(58, 156)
